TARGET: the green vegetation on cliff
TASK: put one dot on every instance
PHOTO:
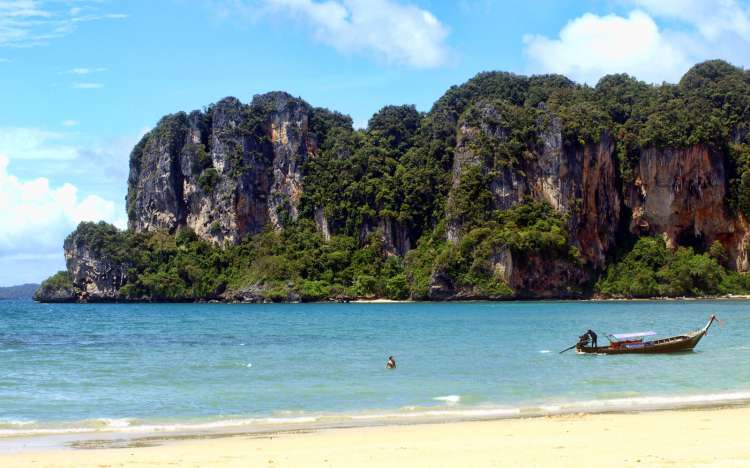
(295, 264)
(529, 229)
(358, 176)
(651, 269)
(299, 264)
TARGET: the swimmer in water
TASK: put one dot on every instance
(391, 364)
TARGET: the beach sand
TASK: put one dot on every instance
(706, 437)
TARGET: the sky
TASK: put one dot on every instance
(82, 80)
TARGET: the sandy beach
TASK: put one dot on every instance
(705, 437)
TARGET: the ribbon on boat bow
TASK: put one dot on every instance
(716, 319)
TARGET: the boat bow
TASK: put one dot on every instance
(704, 330)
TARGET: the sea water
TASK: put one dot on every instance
(161, 367)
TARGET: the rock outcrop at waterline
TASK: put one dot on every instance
(57, 292)
(434, 200)
(96, 274)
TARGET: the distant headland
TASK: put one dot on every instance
(21, 291)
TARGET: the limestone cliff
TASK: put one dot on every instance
(680, 194)
(428, 205)
(577, 180)
(224, 173)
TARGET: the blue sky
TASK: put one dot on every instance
(82, 80)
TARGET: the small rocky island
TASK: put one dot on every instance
(509, 187)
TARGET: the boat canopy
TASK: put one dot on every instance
(628, 336)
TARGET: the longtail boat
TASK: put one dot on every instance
(634, 342)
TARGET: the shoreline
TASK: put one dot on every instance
(682, 437)
(120, 432)
(726, 297)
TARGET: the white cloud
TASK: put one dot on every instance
(706, 29)
(591, 46)
(594, 45)
(69, 123)
(33, 143)
(81, 19)
(711, 18)
(37, 217)
(82, 71)
(393, 31)
(88, 85)
(54, 181)
(28, 23)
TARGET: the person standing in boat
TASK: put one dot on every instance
(583, 340)
(593, 338)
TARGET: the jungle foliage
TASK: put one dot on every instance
(651, 269)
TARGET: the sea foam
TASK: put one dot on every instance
(409, 413)
(449, 399)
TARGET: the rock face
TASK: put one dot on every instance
(96, 275)
(395, 237)
(155, 183)
(526, 277)
(540, 277)
(225, 173)
(680, 194)
(258, 294)
(322, 223)
(289, 132)
(578, 181)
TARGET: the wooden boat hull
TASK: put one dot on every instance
(673, 344)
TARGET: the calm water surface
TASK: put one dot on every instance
(74, 366)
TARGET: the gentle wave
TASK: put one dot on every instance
(16, 423)
(449, 399)
(130, 426)
(450, 412)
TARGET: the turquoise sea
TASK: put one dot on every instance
(181, 367)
